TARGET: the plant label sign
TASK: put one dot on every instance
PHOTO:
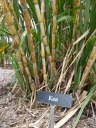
(52, 98)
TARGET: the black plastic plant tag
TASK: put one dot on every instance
(63, 100)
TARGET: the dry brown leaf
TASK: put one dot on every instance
(71, 112)
(69, 83)
(81, 37)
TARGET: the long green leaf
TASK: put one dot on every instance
(24, 34)
(92, 20)
(35, 35)
(64, 18)
(86, 15)
(87, 50)
(16, 7)
(9, 89)
(4, 31)
(32, 8)
(84, 104)
(17, 72)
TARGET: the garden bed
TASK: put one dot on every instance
(16, 112)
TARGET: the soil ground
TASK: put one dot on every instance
(16, 112)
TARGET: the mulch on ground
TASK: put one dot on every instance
(16, 112)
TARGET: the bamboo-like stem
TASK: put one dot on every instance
(42, 47)
(43, 35)
(89, 64)
(16, 39)
(75, 3)
(16, 42)
(21, 49)
(53, 37)
(44, 63)
(76, 20)
(12, 30)
(42, 10)
(28, 26)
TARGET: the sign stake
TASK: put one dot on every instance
(52, 116)
(54, 99)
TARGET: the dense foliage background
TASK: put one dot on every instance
(51, 44)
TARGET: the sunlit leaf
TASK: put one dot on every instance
(64, 18)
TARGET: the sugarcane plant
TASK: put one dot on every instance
(5, 42)
(54, 46)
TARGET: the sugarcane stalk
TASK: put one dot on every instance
(21, 50)
(42, 10)
(28, 26)
(44, 64)
(42, 46)
(16, 42)
(75, 3)
(12, 30)
(53, 37)
(41, 20)
(42, 28)
(88, 67)
(76, 20)
(25, 63)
